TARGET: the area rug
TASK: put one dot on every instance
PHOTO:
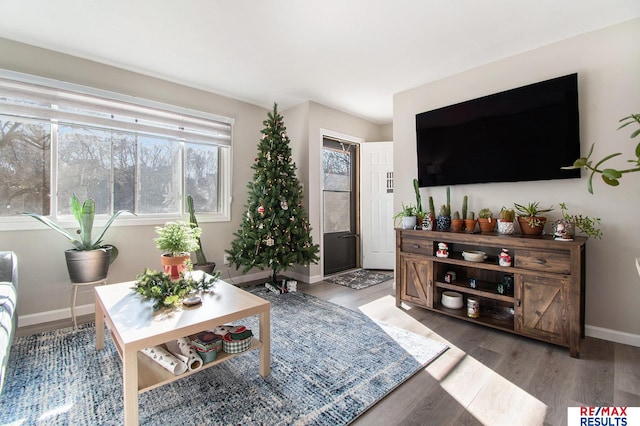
(362, 278)
(328, 365)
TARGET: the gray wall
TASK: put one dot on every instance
(608, 66)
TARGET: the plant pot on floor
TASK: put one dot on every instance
(528, 229)
(174, 265)
(86, 266)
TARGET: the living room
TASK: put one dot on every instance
(606, 61)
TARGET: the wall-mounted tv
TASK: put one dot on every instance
(522, 134)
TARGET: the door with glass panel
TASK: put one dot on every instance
(340, 203)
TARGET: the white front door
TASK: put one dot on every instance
(376, 212)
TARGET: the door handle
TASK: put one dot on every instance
(348, 236)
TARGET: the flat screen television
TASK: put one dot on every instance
(522, 134)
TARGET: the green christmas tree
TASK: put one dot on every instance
(275, 231)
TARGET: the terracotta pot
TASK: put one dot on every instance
(173, 265)
(457, 225)
(470, 225)
(526, 229)
(487, 224)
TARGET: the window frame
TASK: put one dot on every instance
(225, 152)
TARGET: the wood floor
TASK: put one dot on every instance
(486, 377)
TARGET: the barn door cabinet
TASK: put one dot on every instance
(541, 295)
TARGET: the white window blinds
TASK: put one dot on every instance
(34, 98)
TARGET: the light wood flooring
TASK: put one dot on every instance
(486, 377)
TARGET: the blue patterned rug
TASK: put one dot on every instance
(362, 278)
(328, 365)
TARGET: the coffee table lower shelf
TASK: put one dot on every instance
(151, 375)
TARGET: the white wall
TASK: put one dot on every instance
(608, 66)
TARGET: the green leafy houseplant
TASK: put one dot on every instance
(177, 238)
(586, 224)
(90, 258)
(409, 210)
(84, 214)
(168, 293)
(610, 176)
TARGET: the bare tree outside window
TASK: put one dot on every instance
(25, 159)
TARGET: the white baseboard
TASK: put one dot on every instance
(612, 335)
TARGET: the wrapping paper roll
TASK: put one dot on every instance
(165, 359)
(183, 350)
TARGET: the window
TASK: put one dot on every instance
(57, 139)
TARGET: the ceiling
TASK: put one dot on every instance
(352, 55)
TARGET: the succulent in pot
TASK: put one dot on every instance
(564, 228)
(89, 259)
(530, 217)
(486, 221)
(470, 222)
(177, 239)
(457, 224)
(443, 221)
(505, 223)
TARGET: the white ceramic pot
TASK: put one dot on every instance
(409, 222)
(505, 227)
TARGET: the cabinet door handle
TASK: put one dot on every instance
(518, 303)
(541, 261)
(416, 246)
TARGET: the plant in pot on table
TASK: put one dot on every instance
(90, 258)
(420, 213)
(177, 239)
(530, 218)
(486, 221)
(457, 224)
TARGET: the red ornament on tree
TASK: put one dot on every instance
(261, 210)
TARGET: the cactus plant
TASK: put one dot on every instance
(485, 213)
(201, 259)
(432, 208)
(470, 216)
(456, 215)
(465, 200)
(416, 188)
(507, 215)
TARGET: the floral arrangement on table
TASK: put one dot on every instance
(168, 293)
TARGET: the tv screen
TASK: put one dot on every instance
(522, 134)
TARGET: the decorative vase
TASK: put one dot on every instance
(409, 222)
(470, 225)
(527, 229)
(174, 265)
(443, 223)
(427, 223)
(505, 227)
(487, 224)
(457, 225)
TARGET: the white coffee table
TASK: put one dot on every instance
(134, 326)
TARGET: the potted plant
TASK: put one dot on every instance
(564, 228)
(457, 224)
(530, 218)
(610, 176)
(430, 218)
(505, 223)
(177, 239)
(167, 292)
(486, 221)
(407, 216)
(443, 221)
(89, 260)
(470, 222)
(201, 259)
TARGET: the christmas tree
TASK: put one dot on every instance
(275, 231)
